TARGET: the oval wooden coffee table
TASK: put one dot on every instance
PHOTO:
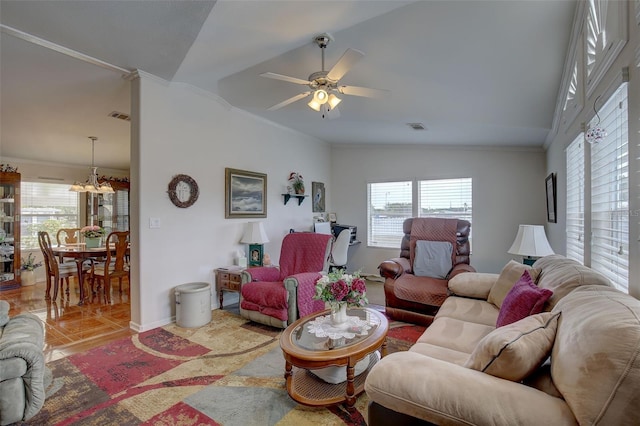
(305, 350)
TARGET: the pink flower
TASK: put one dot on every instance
(339, 290)
(359, 285)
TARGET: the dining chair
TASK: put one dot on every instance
(114, 266)
(55, 270)
(66, 236)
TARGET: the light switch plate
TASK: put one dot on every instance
(154, 222)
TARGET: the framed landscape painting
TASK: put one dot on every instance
(245, 194)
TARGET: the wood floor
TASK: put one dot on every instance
(70, 328)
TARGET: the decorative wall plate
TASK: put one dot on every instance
(183, 191)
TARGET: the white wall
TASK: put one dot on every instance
(508, 190)
(177, 129)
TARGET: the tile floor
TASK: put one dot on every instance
(70, 328)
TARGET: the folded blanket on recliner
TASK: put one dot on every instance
(433, 229)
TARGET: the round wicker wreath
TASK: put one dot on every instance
(174, 196)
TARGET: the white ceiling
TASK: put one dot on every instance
(473, 72)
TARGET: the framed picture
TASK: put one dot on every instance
(333, 217)
(256, 253)
(550, 182)
(317, 192)
(245, 194)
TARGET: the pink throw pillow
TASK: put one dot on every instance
(524, 299)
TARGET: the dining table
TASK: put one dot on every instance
(80, 253)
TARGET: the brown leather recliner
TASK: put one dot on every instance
(416, 299)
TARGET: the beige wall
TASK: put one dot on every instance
(508, 189)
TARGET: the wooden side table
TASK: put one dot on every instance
(227, 280)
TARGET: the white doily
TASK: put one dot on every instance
(322, 327)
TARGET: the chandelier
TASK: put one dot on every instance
(92, 184)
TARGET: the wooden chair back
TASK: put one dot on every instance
(67, 236)
(52, 267)
(119, 240)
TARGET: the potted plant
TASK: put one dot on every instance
(92, 235)
(28, 267)
(295, 179)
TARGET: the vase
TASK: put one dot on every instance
(339, 314)
(92, 242)
(27, 278)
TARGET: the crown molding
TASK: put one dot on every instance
(61, 49)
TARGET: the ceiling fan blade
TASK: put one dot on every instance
(285, 78)
(344, 64)
(363, 91)
(289, 101)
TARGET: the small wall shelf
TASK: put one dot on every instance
(300, 198)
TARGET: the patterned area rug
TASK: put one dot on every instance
(229, 372)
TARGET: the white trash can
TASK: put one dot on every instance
(193, 304)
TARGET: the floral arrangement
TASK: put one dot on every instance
(338, 286)
(92, 231)
(297, 182)
(30, 264)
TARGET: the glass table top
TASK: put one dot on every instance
(318, 334)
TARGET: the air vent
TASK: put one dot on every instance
(120, 115)
(416, 126)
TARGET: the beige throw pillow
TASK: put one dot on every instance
(515, 351)
(509, 275)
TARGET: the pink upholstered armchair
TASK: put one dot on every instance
(279, 296)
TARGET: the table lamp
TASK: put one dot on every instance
(255, 236)
(530, 243)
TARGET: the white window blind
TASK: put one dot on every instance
(575, 199)
(46, 207)
(447, 198)
(390, 203)
(610, 192)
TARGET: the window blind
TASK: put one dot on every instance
(610, 192)
(447, 198)
(575, 199)
(390, 203)
(46, 207)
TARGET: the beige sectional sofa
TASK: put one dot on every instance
(588, 336)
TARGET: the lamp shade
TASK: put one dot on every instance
(531, 241)
(254, 234)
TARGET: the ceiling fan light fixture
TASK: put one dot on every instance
(320, 96)
(334, 100)
(314, 105)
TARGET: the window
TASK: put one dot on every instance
(46, 207)
(575, 199)
(446, 198)
(390, 203)
(610, 192)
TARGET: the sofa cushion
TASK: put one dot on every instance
(455, 334)
(524, 299)
(469, 310)
(516, 350)
(509, 275)
(596, 355)
(432, 259)
(562, 275)
(476, 285)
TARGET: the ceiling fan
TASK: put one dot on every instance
(323, 83)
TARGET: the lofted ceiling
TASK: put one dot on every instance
(473, 72)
